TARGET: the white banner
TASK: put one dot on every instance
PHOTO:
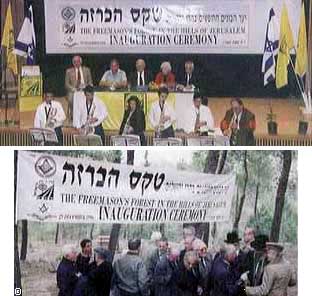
(161, 26)
(79, 190)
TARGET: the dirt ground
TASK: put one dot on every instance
(39, 277)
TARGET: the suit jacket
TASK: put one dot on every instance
(247, 125)
(276, 279)
(182, 79)
(66, 277)
(100, 279)
(162, 277)
(71, 81)
(223, 279)
(133, 78)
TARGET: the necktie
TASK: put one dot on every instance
(204, 263)
(187, 79)
(141, 79)
(78, 78)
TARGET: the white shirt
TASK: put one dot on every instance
(204, 115)
(43, 110)
(82, 82)
(99, 111)
(138, 79)
(154, 114)
(237, 118)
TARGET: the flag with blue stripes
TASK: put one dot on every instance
(25, 44)
(270, 49)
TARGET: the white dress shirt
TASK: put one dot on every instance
(100, 112)
(237, 118)
(138, 78)
(204, 115)
(82, 82)
(42, 112)
(154, 114)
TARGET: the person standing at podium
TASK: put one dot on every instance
(50, 115)
(239, 124)
(162, 115)
(76, 78)
(133, 122)
(91, 115)
(199, 119)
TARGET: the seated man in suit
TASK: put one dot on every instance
(162, 115)
(200, 118)
(50, 115)
(141, 77)
(187, 80)
(76, 78)
(239, 124)
(165, 77)
(91, 115)
(114, 78)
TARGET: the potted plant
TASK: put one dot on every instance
(303, 125)
(272, 124)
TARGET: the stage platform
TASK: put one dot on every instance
(288, 114)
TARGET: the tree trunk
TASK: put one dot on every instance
(256, 201)
(113, 238)
(162, 229)
(24, 240)
(280, 196)
(243, 196)
(17, 266)
(57, 233)
(91, 231)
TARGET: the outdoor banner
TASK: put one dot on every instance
(161, 26)
(79, 190)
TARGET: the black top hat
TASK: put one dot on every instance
(232, 238)
(259, 244)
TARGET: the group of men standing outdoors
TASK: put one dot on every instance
(238, 123)
(255, 268)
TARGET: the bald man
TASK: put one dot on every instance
(77, 77)
(141, 77)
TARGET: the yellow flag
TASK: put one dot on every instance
(302, 48)
(286, 42)
(8, 41)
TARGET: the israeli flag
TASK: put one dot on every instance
(25, 45)
(270, 49)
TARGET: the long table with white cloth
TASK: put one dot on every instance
(116, 102)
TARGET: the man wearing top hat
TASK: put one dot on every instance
(278, 274)
(241, 264)
(258, 258)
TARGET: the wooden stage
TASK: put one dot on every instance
(288, 114)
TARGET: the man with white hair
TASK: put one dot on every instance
(224, 281)
(67, 275)
(76, 78)
(187, 79)
(165, 77)
(141, 78)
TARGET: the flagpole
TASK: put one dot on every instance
(305, 99)
(309, 70)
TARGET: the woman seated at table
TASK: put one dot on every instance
(165, 77)
(133, 122)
